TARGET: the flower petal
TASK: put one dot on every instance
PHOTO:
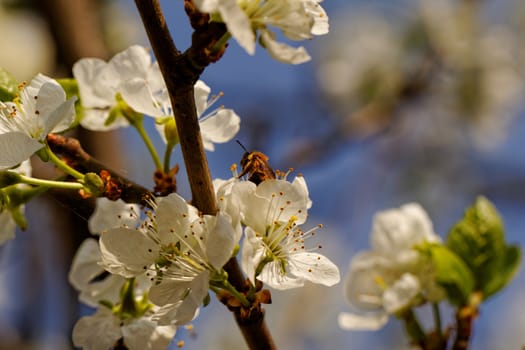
(401, 294)
(220, 240)
(183, 307)
(315, 268)
(100, 331)
(127, 252)
(174, 216)
(85, 264)
(15, 147)
(399, 229)
(201, 92)
(92, 90)
(61, 118)
(130, 63)
(369, 322)
(238, 24)
(219, 127)
(252, 253)
(283, 52)
(95, 119)
(144, 334)
(110, 214)
(273, 276)
(138, 95)
(365, 282)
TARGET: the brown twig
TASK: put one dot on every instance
(71, 150)
(464, 322)
(180, 72)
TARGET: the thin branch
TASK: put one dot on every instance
(117, 186)
(181, 71)
(464, 322)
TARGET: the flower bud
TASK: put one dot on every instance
(170, 131)
(93, 184)
(8, 178)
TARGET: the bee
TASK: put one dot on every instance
(255, 164)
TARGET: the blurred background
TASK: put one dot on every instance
(403, 101)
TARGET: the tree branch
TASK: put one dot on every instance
(117, 186)
(181, 71)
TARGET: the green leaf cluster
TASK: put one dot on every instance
(478, 239)
(450, 272)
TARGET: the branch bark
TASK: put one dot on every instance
(181, 71)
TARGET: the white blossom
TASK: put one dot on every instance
(393, 275)
(95, 284)
(40, 108)
(103, 329)
(132, 76)
(274, 249)
(297, 19)
(217, 126)
(179, 249)
(99, 83)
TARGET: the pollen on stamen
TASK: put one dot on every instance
(281, 193)
(180, 343)
(309, 270)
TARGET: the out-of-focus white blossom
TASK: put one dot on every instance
(392, 276)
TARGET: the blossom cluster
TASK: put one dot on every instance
(176, 255)
(393, 276)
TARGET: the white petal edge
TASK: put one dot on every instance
(370, 322)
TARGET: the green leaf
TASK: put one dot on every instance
(70, 86)
(451, 273)
(479, 240)
(507, 270)
(8, 86)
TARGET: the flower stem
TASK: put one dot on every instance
(437, 321)
(147, 141)
(50, 183)
(221, 42)
(167, 156)
(413, 328)
(62, 165)
(128, 306)
(231, 289)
